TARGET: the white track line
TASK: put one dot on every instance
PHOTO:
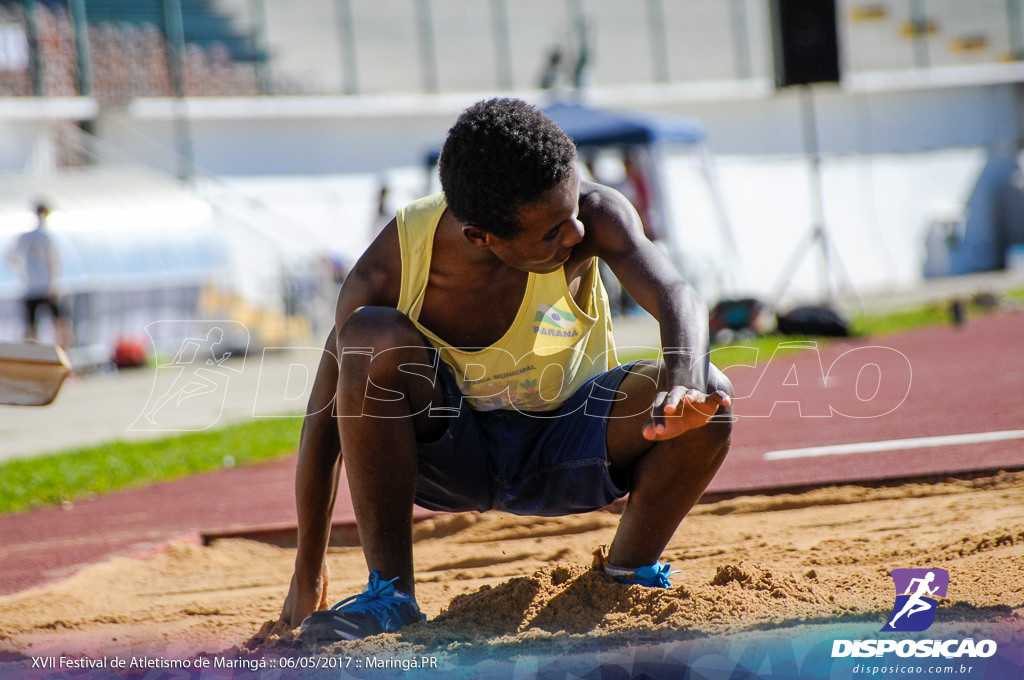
(894, 445)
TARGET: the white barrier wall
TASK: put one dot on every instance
(883, 113)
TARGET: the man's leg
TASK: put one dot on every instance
(29, 307)
(372, 444)
(667, 476)
(62, 324)
(385, 389)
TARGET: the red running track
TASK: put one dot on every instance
(929, 383)
(939, 381)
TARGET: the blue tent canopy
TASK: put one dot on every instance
(604, 127)
(588, 126)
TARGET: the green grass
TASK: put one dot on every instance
(52, 479)
(927, 315)
(905, 320)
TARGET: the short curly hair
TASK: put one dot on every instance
(500, 155)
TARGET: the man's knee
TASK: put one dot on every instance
(376, 329)
(719, 428)
(381, 346)
(718, 381)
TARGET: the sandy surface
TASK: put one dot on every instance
(500, 583)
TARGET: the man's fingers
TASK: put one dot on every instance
(715, 400)
(673, 404)
(670, 402)
(657, 420)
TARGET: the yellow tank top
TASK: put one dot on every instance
(552, 348)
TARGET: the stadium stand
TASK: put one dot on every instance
(237, 47)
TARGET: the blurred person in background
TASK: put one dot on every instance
(638, 189)
(35, 255)
(385, 209)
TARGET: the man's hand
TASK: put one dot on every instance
(303, 599)
(682, 409)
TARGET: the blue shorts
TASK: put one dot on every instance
(541, 463)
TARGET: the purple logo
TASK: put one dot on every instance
(918, 592)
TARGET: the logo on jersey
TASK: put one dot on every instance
(550, 320)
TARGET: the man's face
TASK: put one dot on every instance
(549, 231)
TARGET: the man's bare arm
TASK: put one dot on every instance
(615, 234)
(374, 280)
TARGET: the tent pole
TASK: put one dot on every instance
(819, 234)
(659, 160)
(734, 272)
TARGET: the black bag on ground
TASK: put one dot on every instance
(813, 320)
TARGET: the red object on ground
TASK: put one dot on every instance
(129, 352)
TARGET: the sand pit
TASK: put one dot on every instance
(497, 584)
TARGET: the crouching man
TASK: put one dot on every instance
(472, 367)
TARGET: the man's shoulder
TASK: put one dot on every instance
(376, 275)
(610, 220)
(591, 191)
(34, 237)
(603, 202)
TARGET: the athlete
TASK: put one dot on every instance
(472, 367)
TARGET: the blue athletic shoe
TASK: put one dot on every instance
(654, 576)
(378, 609)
